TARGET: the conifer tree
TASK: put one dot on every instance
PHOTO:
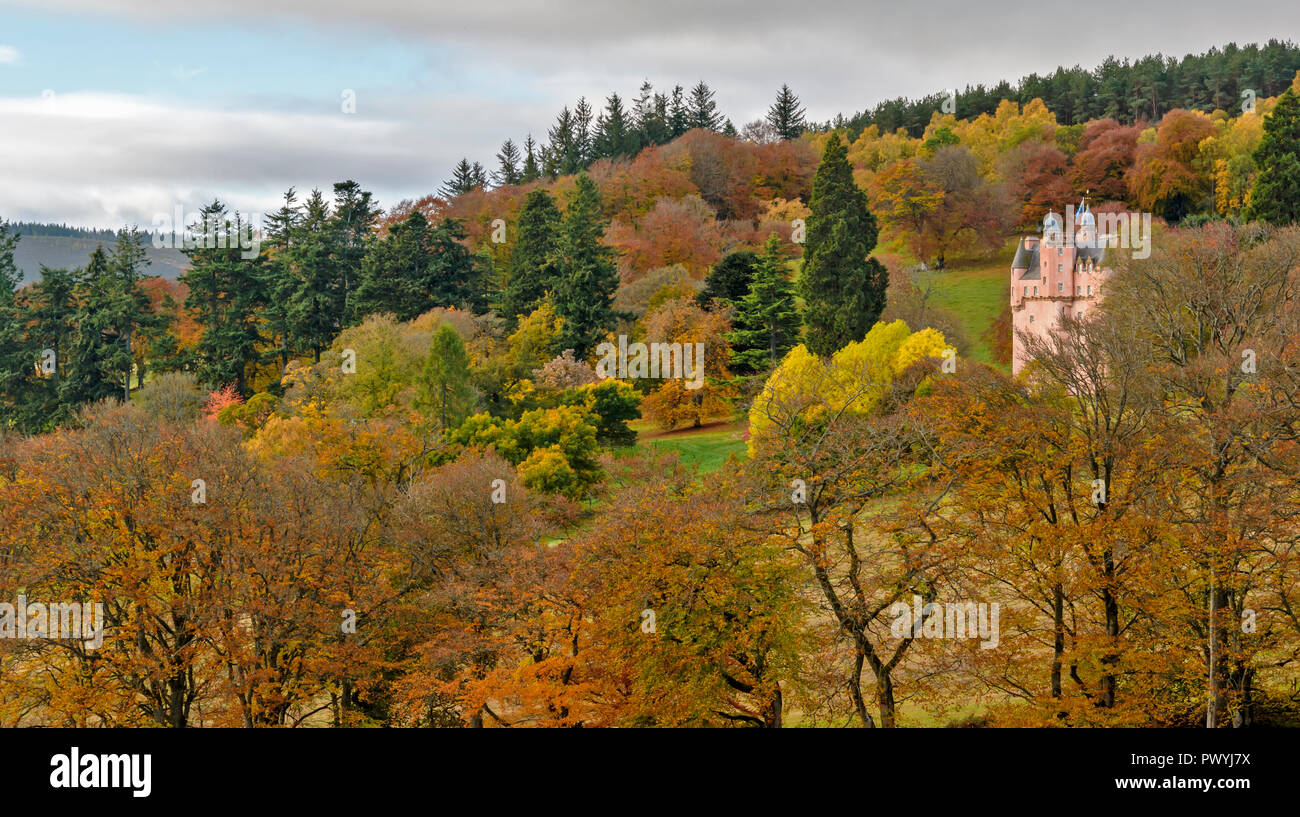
(702, 110)
(532, 171)
(395, 270)
(507, 165)
(586, 275)
(464, 178)
(613, 138)
(842, 287)
(728, 281)
(766, 320)
(16, 361)
(786, 116)
(679, 118)
(532, 269)
(225, 294)
(443, 388)
(1275, 197)
(98, 357)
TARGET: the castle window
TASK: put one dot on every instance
(1089, 289)
(1031, 318)
(1026, 291)
(1060, 268)
(1060, 286)
(1060, 250)
(1035, 290)
(1078, 290)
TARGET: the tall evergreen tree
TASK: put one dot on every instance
(679, 118)
(142, 324)
(454, 276)
(464, 178)
(587, 276)
(225, 294)
(786, 116)
(562, 155)
(99, 358)
(1275, 197)
(508, 171)
(442, 388)
(728, 281)
(613, 137)
(583, 118)
(16, 360)
(395, 271)
(843, 288)
(532, 171)
(702, 110)
(353, 221)
(278, 280)
(532, 261)
(316, 298)
(48, 309)
(766, 320)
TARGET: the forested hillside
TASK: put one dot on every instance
(392, 467)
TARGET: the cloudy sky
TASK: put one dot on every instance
(114, 112)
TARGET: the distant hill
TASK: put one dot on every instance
(73, 247)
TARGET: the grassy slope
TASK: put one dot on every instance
(703, 449)
(977, 291)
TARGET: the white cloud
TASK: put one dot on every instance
(106, 159)
(9, 55)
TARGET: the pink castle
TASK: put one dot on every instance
(1055, 274)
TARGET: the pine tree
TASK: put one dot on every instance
(561, 154)
(643, 112)
(49, 311)
(583, 118)
(142, 324)
(443, 384)
(354, 219)
(454, 277)
(766, 320)
(315, 298)
(278, 278)
(507, 165)
(729, 279)
(703, 111)
(842, 287)
(1275, 197)
(479, 177)
(532, 264)
(395, 271)
(16, 360)
(729, 130)
(786, 116)
(587, 276)
(225, 294)
(613, 138)
(463, 179)
(98, 356)
(531, 172)
(679, 119)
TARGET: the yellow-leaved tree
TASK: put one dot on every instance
(855, 379)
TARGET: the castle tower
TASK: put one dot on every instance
(1057, 273)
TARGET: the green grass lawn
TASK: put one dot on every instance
(704, 450)
(977, 290)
